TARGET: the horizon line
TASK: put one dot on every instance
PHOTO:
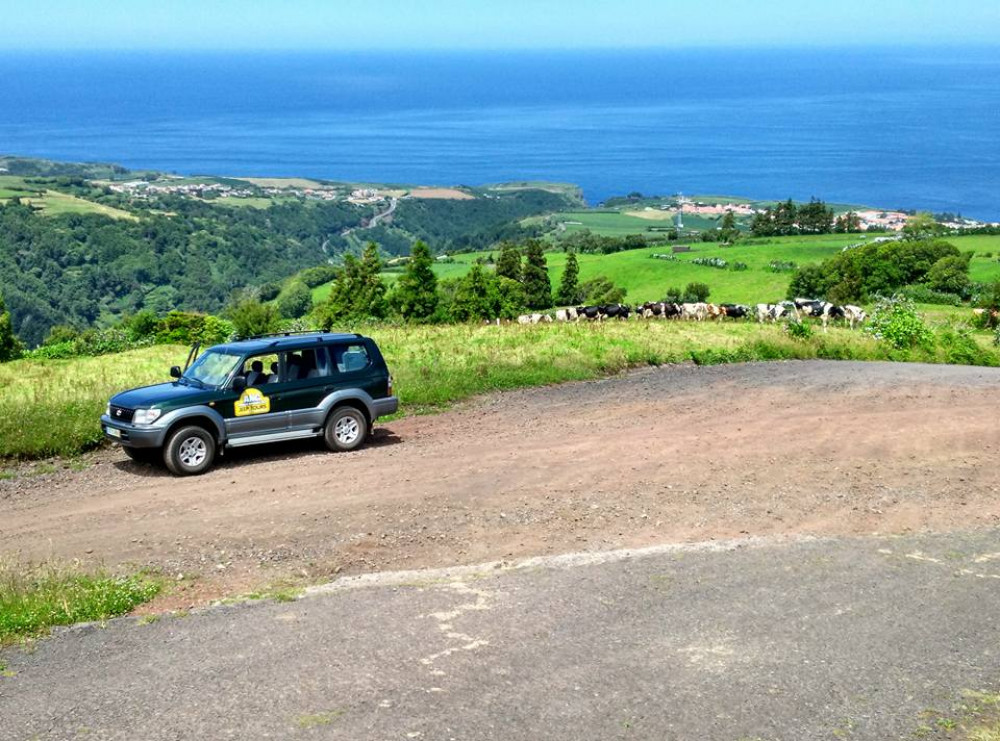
(963, 44)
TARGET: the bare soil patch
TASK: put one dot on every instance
(445, 193)
(663, 455)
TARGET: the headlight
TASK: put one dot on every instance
(146, 416)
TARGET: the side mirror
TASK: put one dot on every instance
(239, 383)
(175, 371)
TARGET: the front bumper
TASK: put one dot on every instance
(384, 407)
(131, 435)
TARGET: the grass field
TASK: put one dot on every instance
(647, 279)
(620, 224)
(53, 203)
(52, 407)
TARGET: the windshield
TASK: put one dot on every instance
(212, 368)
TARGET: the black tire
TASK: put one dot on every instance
(142, 455)
(189, 451)
(346, 429)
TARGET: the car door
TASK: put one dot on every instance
(253, 411)
(306, 374)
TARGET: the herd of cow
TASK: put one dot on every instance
(798, 310)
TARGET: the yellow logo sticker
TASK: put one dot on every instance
(251, 401)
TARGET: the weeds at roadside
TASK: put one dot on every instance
(37, 597)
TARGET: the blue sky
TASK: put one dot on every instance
(489, 24)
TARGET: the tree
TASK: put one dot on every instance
(251, 316)
(10, 346)
(696, 292)
(569, 289)
(358, 293)
(416, 294)
(815, 218)
(295, 301)
(371, 301)
(921, 226)
(600, 290)
(474, 296)
(728, 232)
(508, 265)
(535, 277)
(951, 275)
(848, 223)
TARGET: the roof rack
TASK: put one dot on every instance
(279, 335)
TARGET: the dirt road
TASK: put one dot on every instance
(662, 455)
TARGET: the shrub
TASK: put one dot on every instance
(924, 295)
(601, 290)
(295, 300)
(251, 316)
(142, 325)
(896, 322)
(799, 330)
(696, 292)
(60, 334)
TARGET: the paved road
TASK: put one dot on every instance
(850, 638)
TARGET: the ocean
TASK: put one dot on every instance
(893, 127)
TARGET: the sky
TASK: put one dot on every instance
(489, 24)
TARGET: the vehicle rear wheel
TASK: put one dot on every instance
(142, 455)
(189, 451)
(346, 429)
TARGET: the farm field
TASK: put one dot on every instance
(647, 278)
(53, 203)
(620, 224)
(435, 366)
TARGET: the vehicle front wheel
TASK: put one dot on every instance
(189, 451)
(346, 429)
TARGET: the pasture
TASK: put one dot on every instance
(647, 278)
(620, 224)
(51, 407)
(54, 203)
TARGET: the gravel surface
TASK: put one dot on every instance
(672, 454)
(854, 638)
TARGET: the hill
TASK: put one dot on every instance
(84, 244)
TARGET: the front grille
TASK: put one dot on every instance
(121, 414)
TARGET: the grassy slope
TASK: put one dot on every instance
(53, 202)
(647, 279)
(52, 407)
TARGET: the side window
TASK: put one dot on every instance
(310, 362)
(349, 358)
(260, 369)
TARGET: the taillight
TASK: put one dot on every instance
(389, 390)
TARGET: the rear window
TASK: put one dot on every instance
(350, 358)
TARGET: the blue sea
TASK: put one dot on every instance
(895, 128)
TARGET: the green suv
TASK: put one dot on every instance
(250, 392)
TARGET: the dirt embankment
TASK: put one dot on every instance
(670, 454)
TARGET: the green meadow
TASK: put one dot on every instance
(51, 407)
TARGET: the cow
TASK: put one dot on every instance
(649, 310)
(590, 313)
(854, 314)
(672, 311)
(697, 311)
(714, 311)
(769, 312)
(614, 311)
(735, 311)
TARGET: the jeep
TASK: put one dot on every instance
(251, 392)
